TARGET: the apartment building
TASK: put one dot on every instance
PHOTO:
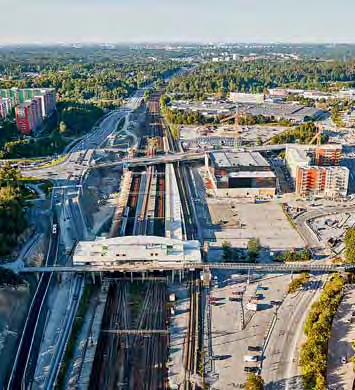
(316, 170)
(5, 107)
(322, 181)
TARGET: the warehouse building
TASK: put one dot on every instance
(239, 97)
(294, 113)
(241, 174)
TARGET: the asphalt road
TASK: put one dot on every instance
(280, 365)
(29, 331)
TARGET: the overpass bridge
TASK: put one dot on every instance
(177, 157)
(146, 267)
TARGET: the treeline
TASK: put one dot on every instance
(350, 245)
(91, 81)
(302, 134)
(12, 216)
(76, 119)
(177, 117)
(258, 76)
(250, 120)
(314, 352)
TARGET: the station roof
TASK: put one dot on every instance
(136, 248)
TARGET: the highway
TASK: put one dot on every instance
(32, 324)
(71, 167)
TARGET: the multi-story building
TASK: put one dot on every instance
(5, 107)
(29, 116)
(241, 174)
(322, 181)
(33, 105)
(316, 170)
(307, 155)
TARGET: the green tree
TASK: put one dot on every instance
(227, 251)
(9, 175)
(350, 245)
(254, 248)
(12, 219)
(254, 382)
(63, 128)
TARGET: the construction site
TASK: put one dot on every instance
(128, 322)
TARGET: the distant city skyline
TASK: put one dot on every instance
(155, 21)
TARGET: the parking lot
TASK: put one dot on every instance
(330, 230)
(238, 334)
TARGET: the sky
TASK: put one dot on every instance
(128, 21)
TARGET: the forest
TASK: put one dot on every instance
(257, 76)
(12, 215)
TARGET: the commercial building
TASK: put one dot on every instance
(120, 250)
(316, 170)
(348, 94)
(294, 113)
(5, 107)
(238, 97)
(241, 174)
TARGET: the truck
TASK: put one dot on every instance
(252, 306)
(250, 358)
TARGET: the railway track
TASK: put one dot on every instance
(128, 355)
(193, 346)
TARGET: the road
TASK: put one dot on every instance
(27, 339)
(280, 368)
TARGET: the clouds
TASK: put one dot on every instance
(177, 20)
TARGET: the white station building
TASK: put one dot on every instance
(118, 250)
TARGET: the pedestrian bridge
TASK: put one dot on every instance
(155, 266)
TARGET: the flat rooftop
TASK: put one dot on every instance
(235, 159)
(136, 248)
(253, 175)
(295, 111)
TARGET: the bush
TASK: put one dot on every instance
(298, 282)
(313, 359)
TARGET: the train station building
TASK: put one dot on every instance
(118, 250)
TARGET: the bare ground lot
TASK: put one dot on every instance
(237, 221)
